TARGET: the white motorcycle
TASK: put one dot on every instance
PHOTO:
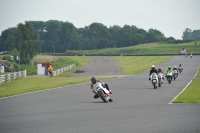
(169, 77)
(175, 75)
(160, 79)
(102, 92)
(154, 80)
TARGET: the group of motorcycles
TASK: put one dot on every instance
(157, 80)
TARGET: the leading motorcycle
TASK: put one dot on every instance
(154, 80)
(102, 92)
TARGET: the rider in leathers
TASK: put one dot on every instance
(175, 68)
(169, 69)
(153, 69)
(94, 81)
(160, 71)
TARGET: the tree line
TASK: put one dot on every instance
(55, 36)
(188, 34)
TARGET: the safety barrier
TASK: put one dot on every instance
(12, 76)
(61, 70)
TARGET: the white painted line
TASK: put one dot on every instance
(185, 87)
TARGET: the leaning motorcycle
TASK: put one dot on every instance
(102, 92)
(175, 75)
(169, 77)
(154, 79)
(160, 77)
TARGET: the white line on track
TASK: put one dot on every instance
(184, 88)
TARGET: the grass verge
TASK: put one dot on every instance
(148, 48)
(192, 93)
(138, 64)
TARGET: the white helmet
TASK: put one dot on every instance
(174, 66)
(152, 67)
(169, 67)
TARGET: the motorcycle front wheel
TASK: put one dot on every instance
(169, 79)
(101, 94)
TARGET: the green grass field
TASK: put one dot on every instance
(192, 93)
(150, 48)
(138, 64)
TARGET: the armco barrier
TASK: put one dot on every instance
(61, 70)
(12, 76)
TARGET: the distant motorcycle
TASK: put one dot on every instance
(180, 69)
(175, 75)
(169, 77)
(160, 79)
(103, 93)
(154, 79)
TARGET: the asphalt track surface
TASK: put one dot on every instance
(137, 107)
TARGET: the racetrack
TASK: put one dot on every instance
(137, 107)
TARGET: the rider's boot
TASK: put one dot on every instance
(110, 100)
(96, 96)
(106, 85)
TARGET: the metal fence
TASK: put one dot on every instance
(61, 70)
(12, 76)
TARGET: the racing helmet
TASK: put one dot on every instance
(169, 67)
(152, 67)
(159, 69)
(93, 80)
(175, 67)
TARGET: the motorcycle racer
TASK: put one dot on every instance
(160, 71)
(153, 69)
(169, 69)
(175, 68)
(94, 81)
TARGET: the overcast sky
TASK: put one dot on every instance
(171, 17)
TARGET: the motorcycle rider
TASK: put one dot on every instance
(180, 68)
(94, 81)
(160, 71)
(169, 69)
(153, 69)
(175, 68)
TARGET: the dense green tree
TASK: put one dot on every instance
(98, 33)
(60, 36)
(8, 39)
(29, 42)
(196, 35)
(68, 37)
(156, 35)
(187, 34)
(14, 53)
